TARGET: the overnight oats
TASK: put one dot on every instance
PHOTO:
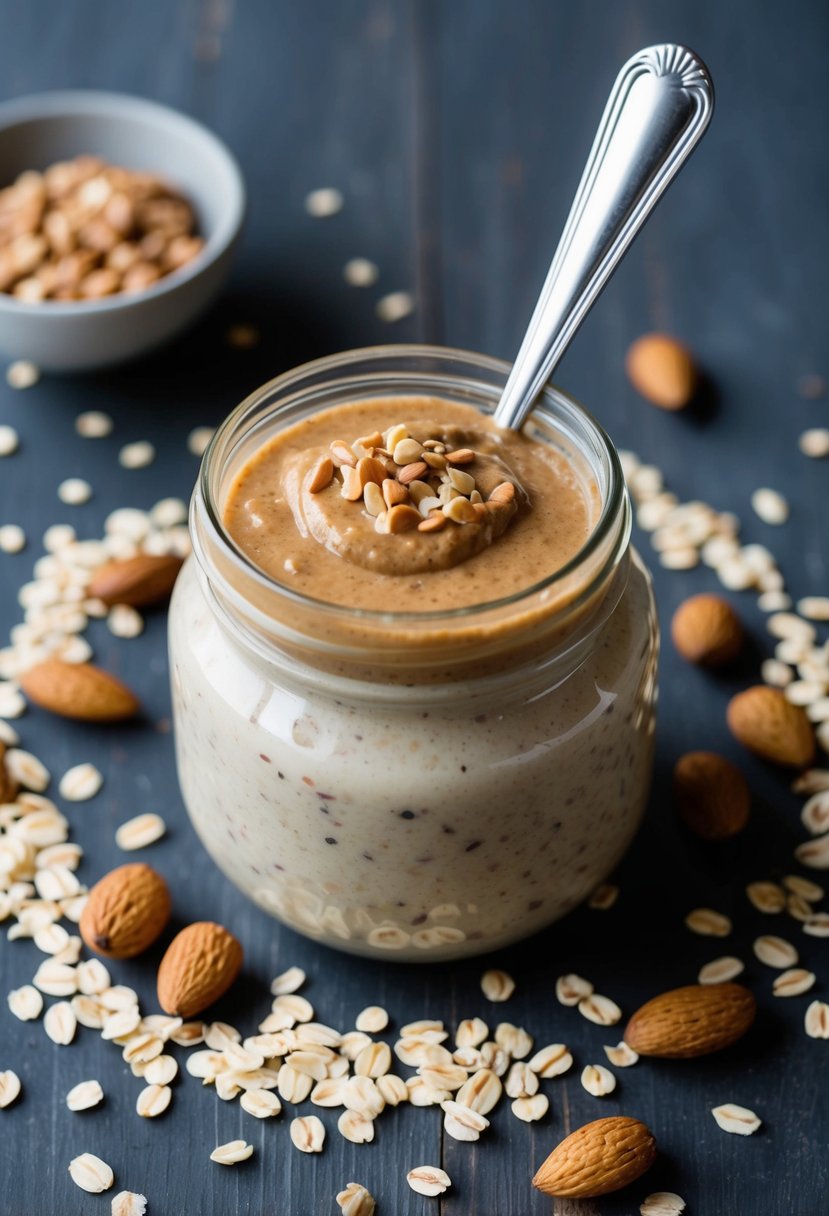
(413, 656)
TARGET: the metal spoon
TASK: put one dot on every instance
(661, 103)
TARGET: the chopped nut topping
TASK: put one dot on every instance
(404, 484)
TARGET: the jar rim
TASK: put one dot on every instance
(326, 368)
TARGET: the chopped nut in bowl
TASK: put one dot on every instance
(118, 220)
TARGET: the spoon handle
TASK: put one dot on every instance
(661, 103)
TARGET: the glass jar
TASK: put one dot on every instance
(414, 785)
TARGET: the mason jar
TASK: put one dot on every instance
(414, 785)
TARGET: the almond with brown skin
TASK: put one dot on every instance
(712, 795)
(199, 966)
(138, 581)
(601, 1157)
(8, 786)
(691, 1021)
(770, 726)
(662, 370)
(80, 691)
(126, 911)
(707, 630)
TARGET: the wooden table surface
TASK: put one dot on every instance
(456, 133)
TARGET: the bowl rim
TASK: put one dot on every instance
(66, 103)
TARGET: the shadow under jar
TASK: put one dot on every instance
(414, 785)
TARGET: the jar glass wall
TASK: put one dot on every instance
(414, 785)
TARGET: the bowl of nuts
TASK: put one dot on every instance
(118, 221)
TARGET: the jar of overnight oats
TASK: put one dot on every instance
(417, 742)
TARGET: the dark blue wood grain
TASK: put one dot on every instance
(457, 133)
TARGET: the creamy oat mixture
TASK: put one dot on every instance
(429, 821)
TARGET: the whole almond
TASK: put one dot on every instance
(137, 581)
(80, 691)
(707, 630)
(691, 1021)
(8, 786)
(712, 795)
(601, 1157)
(662, 370)
(126, 911)
(766, 723)
(200, 964)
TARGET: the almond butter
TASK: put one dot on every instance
(707, 630)
(80, 691)
(712, 795)
(200, 964)
(662, 370)
(126, 911)
(691, 1021)
(770, 726)
(601, 1157)
(138, 581)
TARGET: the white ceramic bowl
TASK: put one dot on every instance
(77, 335)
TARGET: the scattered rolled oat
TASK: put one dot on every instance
(9, 441)
(372, 1019)
(428, 1180)
(812, 853)
(93, 424)
(136, 455)
(232, 1153)
(530, 1110)
(26, 1003)
(662, 1203)
(600, 1009)
(60, 1023)
(12, 538)
(551, 1061)
(775, 951)
(770, 506)
(199, 438)
(708, 923)
(621, 1055)
(128, 1203)
(570, 989)
(360, 272)
(497, 985)
(353, 1126)
(598, 1080)
(766, 896)
(793, 982)
(84, 1096)
(815, 442)
(394, 306)
(815, 813)
(153, 1101)
(140, 832)
(161, 1071)
(80, 783)
(74, 491)
(817, 1020)
(22, 374)
(720, 970)
(355, 1200)
(260, 1103)
(307, 1133)
(736, 1119)
(324, 201)
(27, 770)
(9, 1087)
(90, 1173)
(123, 621)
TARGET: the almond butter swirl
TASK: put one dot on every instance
(409, 484)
